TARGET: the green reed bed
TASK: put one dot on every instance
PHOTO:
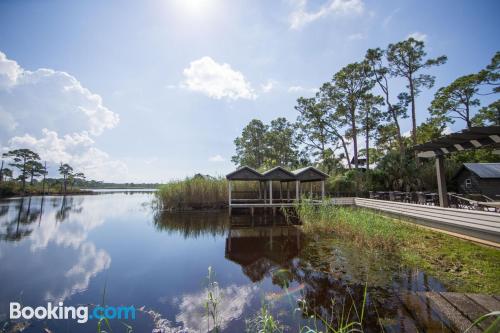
(193, 193)
(462, 265)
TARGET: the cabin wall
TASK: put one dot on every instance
(487, 186)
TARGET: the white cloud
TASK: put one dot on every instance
(9, 71)
(76, 149)
(268, 86)
(300, 89)
(51, 112)
(216, 158)
(301, 16)
(389, 18)
(356, 36)
(193, 313)
(217, 80)
(418, 36)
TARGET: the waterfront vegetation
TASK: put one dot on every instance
(461, 265)
(193, 193)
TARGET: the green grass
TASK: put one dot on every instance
(463, 266)
(193, 193)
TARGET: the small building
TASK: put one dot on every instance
(479, 178)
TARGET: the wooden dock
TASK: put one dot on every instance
(448, 311)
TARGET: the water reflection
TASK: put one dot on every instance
(192, 224)
(68, 248)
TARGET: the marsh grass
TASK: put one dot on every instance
(462, 265)
(193, 193)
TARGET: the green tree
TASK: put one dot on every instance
(376, 59)
(251, 147)
(35, 169)
(21, 158)
(346, 92)
(488, 115)
(282, 147)
(490, 76)
(457, 100)
(315, 129)
(66, 171)
(76, 177)
(6, 173)
(431, 129)
(406, 59)
(370, 118)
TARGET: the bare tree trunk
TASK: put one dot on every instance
(367, 147)
(413, 113)
(354, 138)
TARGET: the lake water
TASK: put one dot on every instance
(114, 248)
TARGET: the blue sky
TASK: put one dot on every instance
(154, 90)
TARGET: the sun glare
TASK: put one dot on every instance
(196, 8)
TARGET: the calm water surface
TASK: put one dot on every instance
(81, 249)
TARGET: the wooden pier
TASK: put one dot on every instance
(449, 312)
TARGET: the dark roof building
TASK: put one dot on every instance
(245, 173)
(479, 178)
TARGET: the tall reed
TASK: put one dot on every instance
(193, 193)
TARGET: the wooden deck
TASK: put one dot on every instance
(448, 312)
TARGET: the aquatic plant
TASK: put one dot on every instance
(212, 302)
(264, 322)
(462, 265)
(193, 193)
(493, 327)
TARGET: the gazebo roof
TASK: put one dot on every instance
(309, 174)
(278, 173)
(467, 139)
(244, 173)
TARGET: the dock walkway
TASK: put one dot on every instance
(448, 311)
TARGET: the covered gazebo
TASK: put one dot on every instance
(267, 195)
(468, 139)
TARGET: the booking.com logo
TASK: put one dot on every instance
(80, 313)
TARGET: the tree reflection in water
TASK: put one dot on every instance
(19, 215)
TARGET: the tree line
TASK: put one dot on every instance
(362, 101)
(29, 168)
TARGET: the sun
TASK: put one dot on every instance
(196, 8)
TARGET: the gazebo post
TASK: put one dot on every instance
(322, 190)
(229, 194)
(441, 180)
(297, 191)
(270, 192)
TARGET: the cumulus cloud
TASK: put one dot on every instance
(52, 113)
(193, 313)
(356, 36)
(300, 89)
(216, 158)
(301, 16)
(217, 80)
(268, 86)
(418, 36)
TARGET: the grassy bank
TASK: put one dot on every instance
(193, 193)
(11, 189)
(461, 265)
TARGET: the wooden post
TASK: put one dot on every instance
(270, 192)
(441, 180)
(311, 190)
(297, 191)
(322, 190)
(229, 191)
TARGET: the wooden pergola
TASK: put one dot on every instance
(468, 139)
